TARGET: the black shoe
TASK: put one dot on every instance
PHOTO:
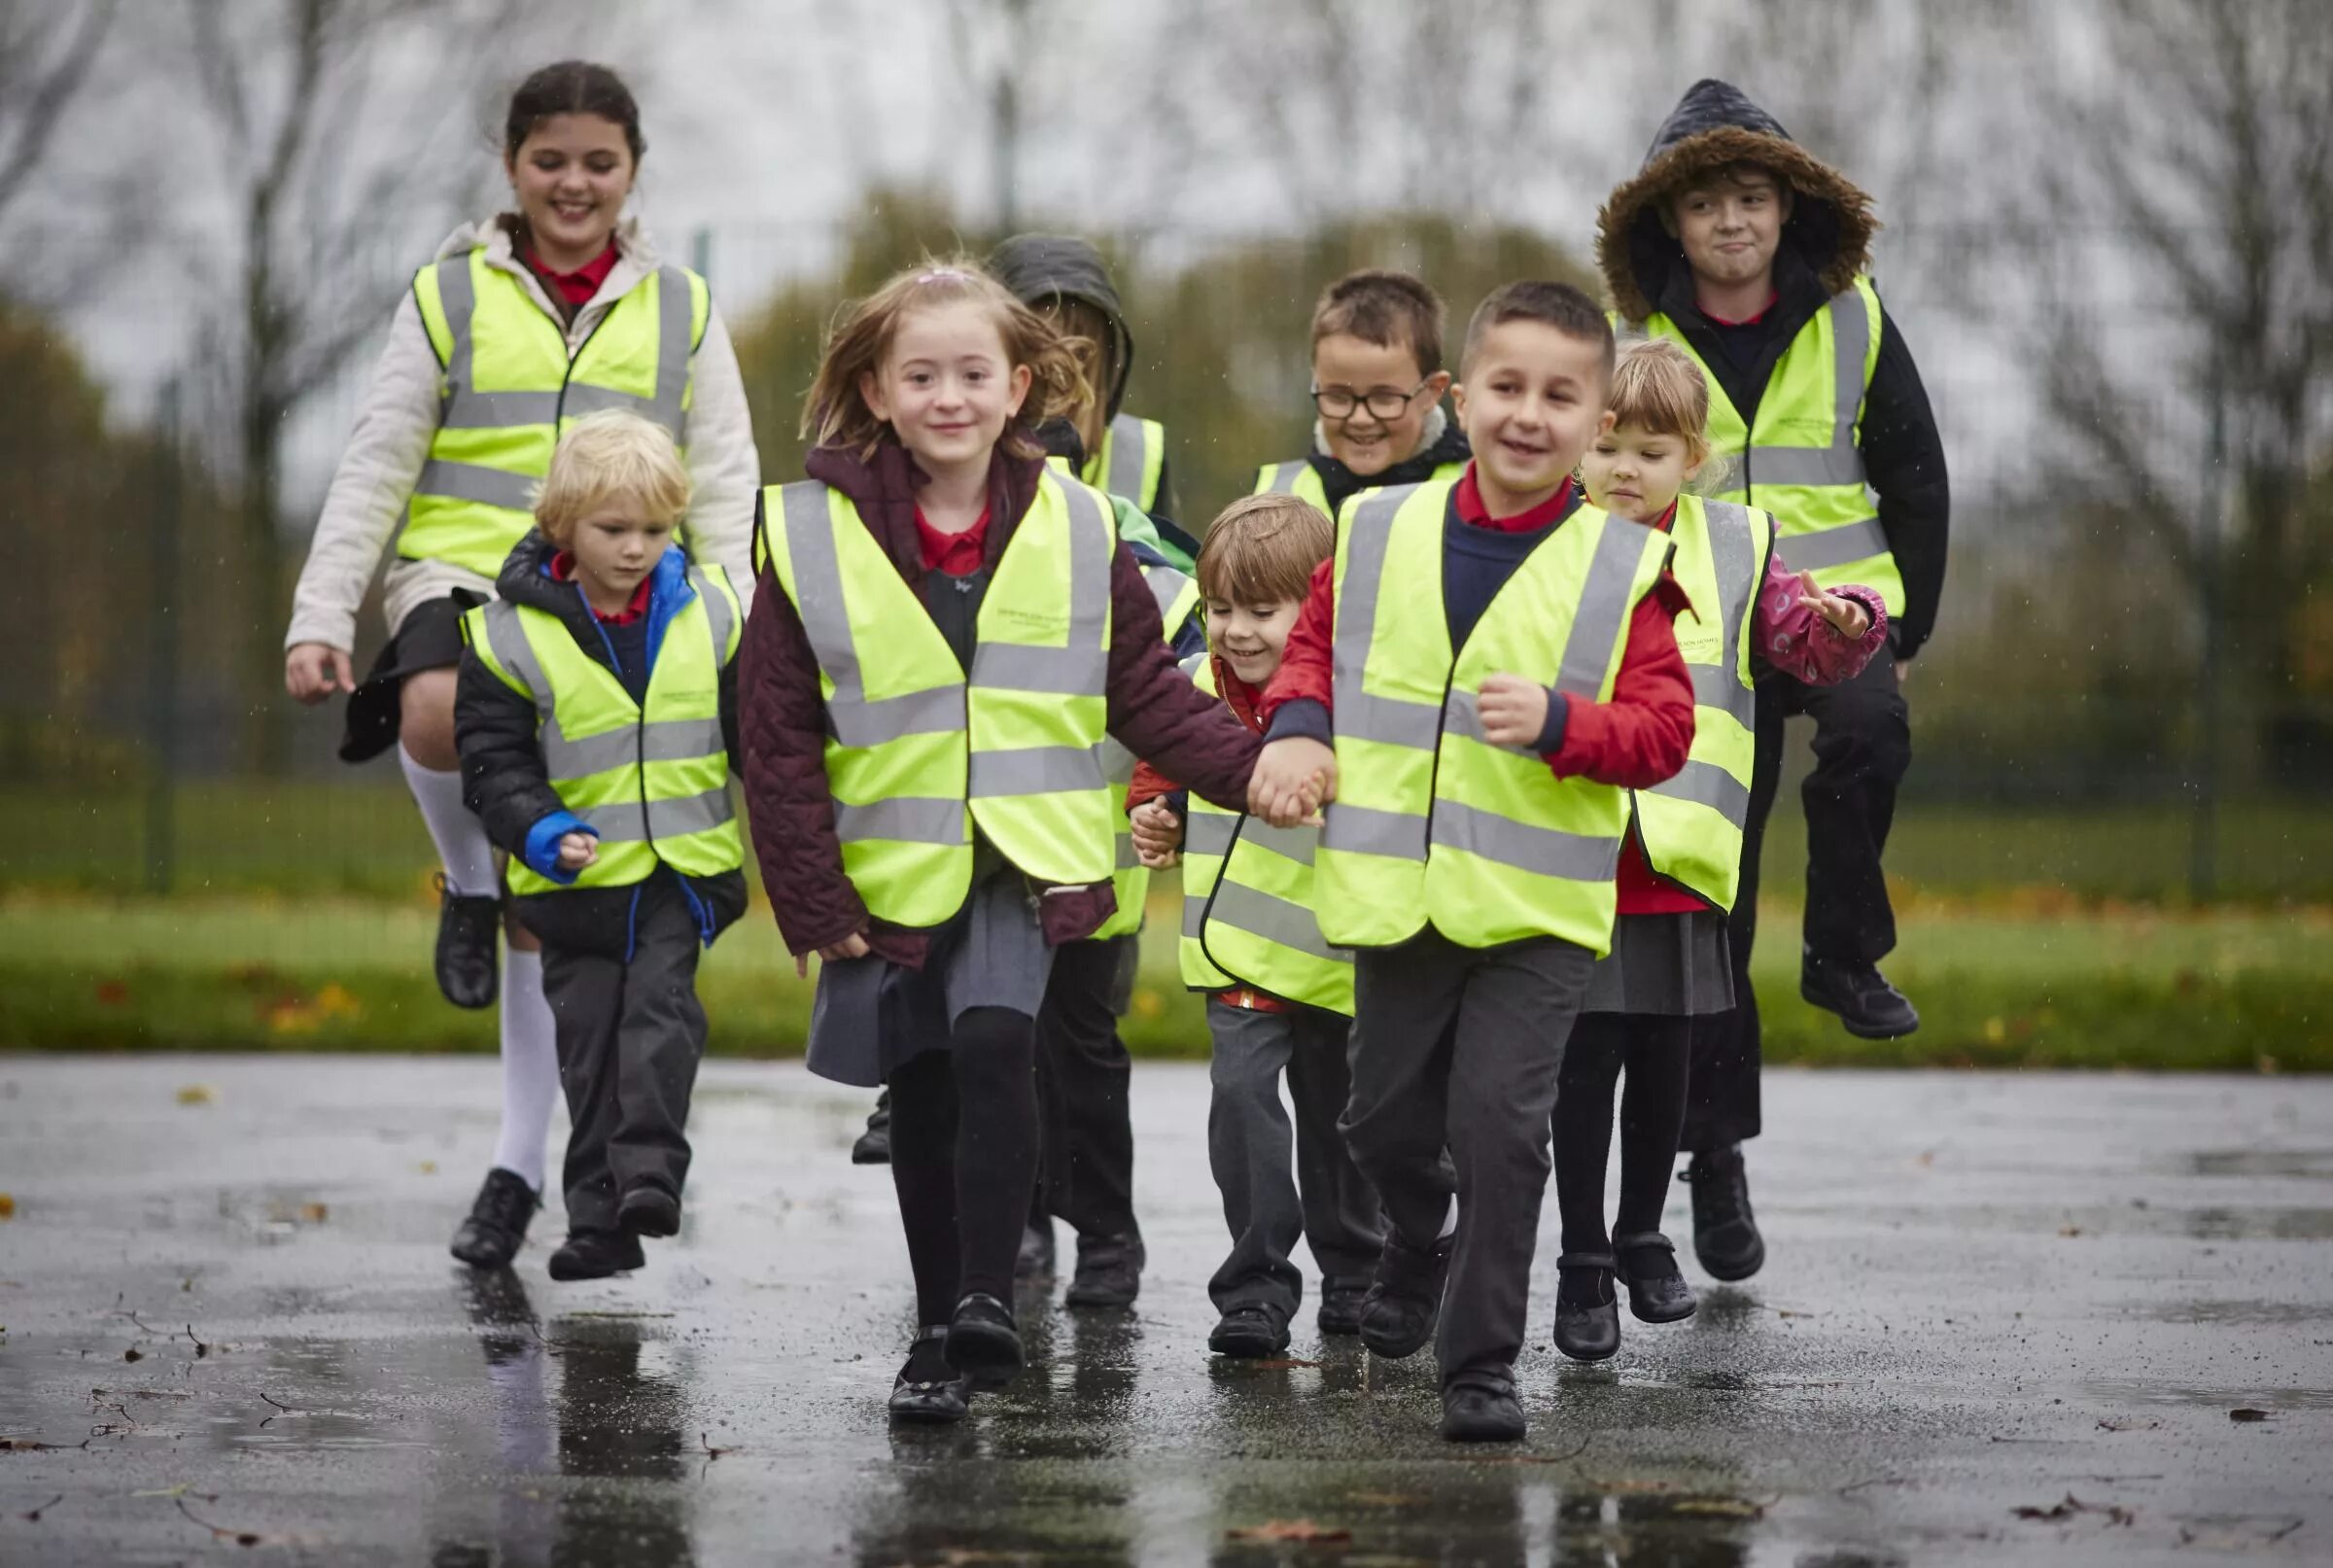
(1398, 1313)
(1588, 1317)
(982, 1341)
(1869, 1007)
(467, 929)
(650, 1211)
(1034, 1260)
(1249, 1332)
(1482, 1408)
(497, 1221)
(1726, 1234)
(929, 1390)
(596, 1254)
(874, 1145)
(1341, 1305)
(1109, 1272)
(1648, 1265)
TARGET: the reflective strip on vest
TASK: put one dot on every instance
(1132, 461)
(1177, 597)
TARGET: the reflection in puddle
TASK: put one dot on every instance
(2316, 1165)
(2145, 1391)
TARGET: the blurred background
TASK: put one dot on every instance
(2108, 226)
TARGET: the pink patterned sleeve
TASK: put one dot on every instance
(1802, 644)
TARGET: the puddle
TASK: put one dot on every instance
(2142, 1391)
(2215, 1312)
(2309, 1165)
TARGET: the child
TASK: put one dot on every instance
(1281, 999)
(596, 717)
(1681, 865)
(1478, 768)
(1376, 386)
(950, 631)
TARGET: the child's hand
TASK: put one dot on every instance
(1293, 777)
(1157, 834)
(1514, 710)
(1848, 618)
(313, 672)
(853, 946)
(577, 851)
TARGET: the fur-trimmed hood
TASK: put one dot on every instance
(1715, 125)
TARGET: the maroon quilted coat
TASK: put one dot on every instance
(1152, 711)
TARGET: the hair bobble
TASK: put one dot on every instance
(944, 274)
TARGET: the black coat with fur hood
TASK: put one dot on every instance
(1825, 243)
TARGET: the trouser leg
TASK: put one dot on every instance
(1396, 1122)
(586, 994)
(660, 1040)
(1250, 1148)
(1863, 747)
(1088, 1134)
(1582, 1128)
(1343, 1222)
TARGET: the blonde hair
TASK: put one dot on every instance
(837, 414)
(608, 459)
(1658, 388)
(1263, 548)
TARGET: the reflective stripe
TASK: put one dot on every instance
(514, 653)
(1544, 851)
(1167, 586)
(626, 821)
(1081, 668)
(584, 397)
(1128, 860)
(668, 740)
(1733, 548)
(1273, 919)
(1208, 833)
(465, 408)
(1462, 715)
(1290, 842)
(469, 481)
(1826, 548)
(1034, 770)
(1020, 667)
(1130, 456)
(1806, 465)
(718, 616)
(1366, 830)
(857, 723)
(1841, 463)
(1117, 766)
(1705, 783)
(1369, 538)
(1715, 686)
(1283, 477)
(1389, 720)
(1604, 604)
(675, 313)
(902, 819)
(459, 301)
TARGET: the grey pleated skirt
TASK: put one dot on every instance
(1666, 965)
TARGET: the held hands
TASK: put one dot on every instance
(1294, 777)
(577, 851)
(1848, 618)
(853, 946)
(1157, 834)
(313, 672)
(1514, 710)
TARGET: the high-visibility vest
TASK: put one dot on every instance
(1296, 478)
(650, 778)
(1431, 821)
(918, 753)
(1132, 462)
(508, 390)
(1800, 460)
(1247, 902)
(1692, 825)
(1177, 597)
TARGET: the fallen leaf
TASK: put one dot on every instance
(1282, 1361)
(2246, 1412)
(8, 1206)
(313, 1213)
(111, 993)
(1731, 1507)
(429, 1168)
(133, 1354)
(2069, 1229)
(1288, 1530)
(198, 1095)
(2127, 1423)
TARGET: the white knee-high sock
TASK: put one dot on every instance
(530, 1067)
(459, 836)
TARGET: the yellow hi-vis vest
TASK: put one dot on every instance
(1692, 825)
(1132, 461)
(1296, 478)
(1247, 902)
(1799, 460)
(1177, 597)
(918, 753)
(652, 778)
(508, 390)
(1431, 821)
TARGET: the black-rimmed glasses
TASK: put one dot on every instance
(1383, 402)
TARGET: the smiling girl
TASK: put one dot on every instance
(520, 325)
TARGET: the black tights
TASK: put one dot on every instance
(1655, 1050)
(964, 1158)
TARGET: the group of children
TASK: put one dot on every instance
(1449, 738)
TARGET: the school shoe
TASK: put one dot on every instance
(497, 1221)
(1109, 1270)
(649, 1211)
(1648, 1265)
(596, 1254)
(983, 1342)
(1726, 1236)
(1588, 1316)
(1398, 1313)
(1036, 1259)
(1249, 1332)
(1480, 1407)
(467, 927)
(1869, 1007)
(929, 1390)
(874, 1145)
(1341, 1305)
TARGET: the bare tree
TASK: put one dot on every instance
(46, 55)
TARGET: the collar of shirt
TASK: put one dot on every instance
(563, 569)
(1552, 511)
(1243, 700)
(1667, 521)
(577, 288)
(958, 555)
(1773, 299)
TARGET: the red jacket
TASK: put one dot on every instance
(1152, 711)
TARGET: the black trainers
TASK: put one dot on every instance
(982, 1341)
(929, 1390)
(497, 1221)
(1109, 1272)
(1249, 1332)
(467, 929)
(1399, 1311)
(1726, 1234)
(1034, 1260)
(648, 1210)
(1341, 1305)
(1648, 1265)
(1869, 1007)
(596, 1254)
(874, 1145)
(1588, 1316)
(1480, 1407)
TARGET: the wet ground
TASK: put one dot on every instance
(2005, 1319)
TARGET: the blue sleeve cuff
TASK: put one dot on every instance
(1178, 801)
(542, 852)
(1560, 718)
(1308, 716)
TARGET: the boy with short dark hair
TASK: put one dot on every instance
(1476, 762)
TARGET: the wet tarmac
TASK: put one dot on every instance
(2005, 1319)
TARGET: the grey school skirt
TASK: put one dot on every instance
(871, 1016)
(1666, 965)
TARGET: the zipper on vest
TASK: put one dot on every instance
(559, 409)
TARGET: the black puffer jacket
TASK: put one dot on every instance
(1825, 244)
(505, 781)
